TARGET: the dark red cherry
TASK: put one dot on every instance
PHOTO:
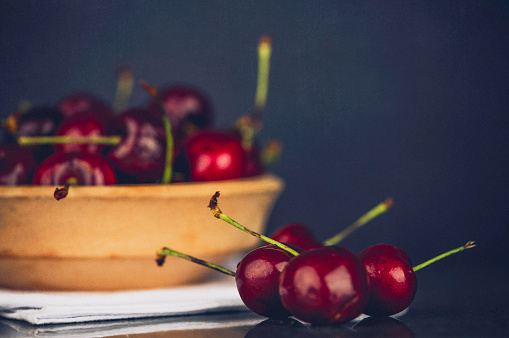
(298, 234)
(39, 121)
(140, 157)
(392, 279)
(324, 286)
(214, 155)
(87, 123)
(254, 165)
(187, 108)
(17, 165)
(82, 102)
(257, 279)
(76, 168)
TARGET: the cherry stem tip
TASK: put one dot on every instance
(163, 252)
(468, 245)
(216, 211)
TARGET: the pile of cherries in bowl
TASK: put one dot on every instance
(81, 141)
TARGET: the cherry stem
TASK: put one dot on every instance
(125, 83)
(468, 245)
(271, 154)
(219, 214)
(264, 51)
(38, 140)
(163, 252)
(376, 211)
(63, 192)
(168, 163)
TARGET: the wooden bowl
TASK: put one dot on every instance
(106, 237)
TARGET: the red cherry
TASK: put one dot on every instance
(87, 123)
(16, 165)
(78, 168)
(39, 121)
(82, 102)
(257, 280)
(186, 107)
(254, 165)
(325, 286)
(393, 283)
(139, 158)
(214, 155)
(298, 234)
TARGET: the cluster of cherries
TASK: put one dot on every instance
(82, 141)
(316, 282)
(87, 143)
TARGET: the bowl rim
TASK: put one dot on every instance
(258, 183)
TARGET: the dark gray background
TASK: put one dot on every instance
(371, 99)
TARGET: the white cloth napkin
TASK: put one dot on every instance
(76, 307)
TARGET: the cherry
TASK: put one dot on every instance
(16, 165)
(187, 108)
(87, 123)
(298, 234)
(139, 158)
(75, 168)
(324, 286)
(215, 155)
(83, 102)
(393, 283)
(257, 279)
(39, 121)
(254, 164)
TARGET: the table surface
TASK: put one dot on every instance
(458, 299)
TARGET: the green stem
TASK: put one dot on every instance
(468, 245)
(262, 88)
(38, 140)
(219, 214)
(163, 252)
(168, 163)
(124, 91)
(376, 211)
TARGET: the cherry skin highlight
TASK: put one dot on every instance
(257, 280)
(214, 156)
(393, 283)
(298, 234)
(79, 168)
(140, 157)
(187, 108)
(324, 286)
(88, 123)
